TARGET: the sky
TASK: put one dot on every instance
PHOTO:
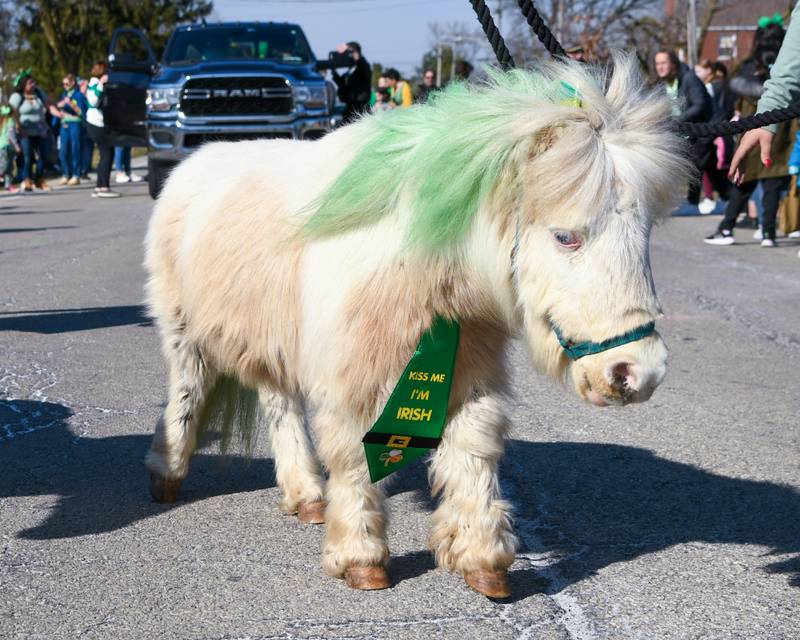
(392, 32)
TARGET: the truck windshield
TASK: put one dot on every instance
(281, 43)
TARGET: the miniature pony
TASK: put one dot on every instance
(301, 274)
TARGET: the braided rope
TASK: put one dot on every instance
(493, 34)
(546, 37)
(541, 30)
(725, 128)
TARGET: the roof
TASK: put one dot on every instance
(746, 13)
(228, 25)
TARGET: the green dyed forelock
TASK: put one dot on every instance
(443, 159)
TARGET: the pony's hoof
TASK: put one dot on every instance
(492, 584)
(311, 512)
(165, 489)
(367, 578)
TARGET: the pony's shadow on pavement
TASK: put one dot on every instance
(589, 505)
(585, 505)
(101, 483)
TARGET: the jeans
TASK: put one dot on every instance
(69, 155)
(98, 136)
(122, 160)
(33, 148)
(741, 194)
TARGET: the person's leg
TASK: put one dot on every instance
(74, 155)
(43, 152)
(104, 166)
(27, 155)
(758, 199)
(772, 197)
(63, 151)
(118, 159)
(87, 149)
(97, 134)
(701, 150)
(126, 160)
(737, 200)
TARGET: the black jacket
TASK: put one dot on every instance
(697, 105)
(355, 86)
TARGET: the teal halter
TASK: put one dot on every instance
(576, 350)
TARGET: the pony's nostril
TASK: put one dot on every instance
(623, 376)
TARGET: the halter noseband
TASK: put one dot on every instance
(576, 350)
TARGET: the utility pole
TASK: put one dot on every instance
(438, 65)
(691, 35)
(560, 21)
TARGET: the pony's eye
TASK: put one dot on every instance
(568, 239)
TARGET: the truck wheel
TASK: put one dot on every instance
(156, 175)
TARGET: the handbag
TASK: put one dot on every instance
(789, 212)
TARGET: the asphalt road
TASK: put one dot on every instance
(678, 519)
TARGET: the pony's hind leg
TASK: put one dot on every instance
(355, 538)
(472, 527)
(190, 381)
(296, 467)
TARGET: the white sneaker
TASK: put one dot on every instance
(766, 242)
(720, 238)
(758, 234)
(794, 234)
(707, 206)
(122, 178)
(104, 192)
(135, 178)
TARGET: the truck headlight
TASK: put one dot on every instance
(310, 96)
(163, 98)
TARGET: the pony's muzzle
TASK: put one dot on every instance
(630, 375)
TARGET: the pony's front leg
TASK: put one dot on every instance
(472, 530)
(355, 540)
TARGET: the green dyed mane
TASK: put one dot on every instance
(442, 159)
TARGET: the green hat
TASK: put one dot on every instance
(765, 21)
(23, 73)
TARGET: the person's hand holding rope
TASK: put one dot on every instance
(754, 138)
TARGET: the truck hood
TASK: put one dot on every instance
(176, 74)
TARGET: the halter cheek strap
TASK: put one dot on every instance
(577, 350)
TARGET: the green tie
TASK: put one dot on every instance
(413, 419)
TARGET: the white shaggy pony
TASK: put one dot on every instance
(306, 273)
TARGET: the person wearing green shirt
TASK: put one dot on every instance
(72, 110)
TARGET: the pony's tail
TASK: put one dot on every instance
(231, 409)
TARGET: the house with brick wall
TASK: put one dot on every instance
(732, 30)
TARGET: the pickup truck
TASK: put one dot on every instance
(224, 81)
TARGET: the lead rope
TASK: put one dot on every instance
(546, 37)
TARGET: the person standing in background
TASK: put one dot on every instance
(72, 106)
(400, 91)
(31, 107)
(87, 146)
(96, 129)
(427, 86)
(690, 103)
(749, 84)
(354, 86)
(9, 148)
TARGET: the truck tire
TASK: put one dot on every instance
(156, 175)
